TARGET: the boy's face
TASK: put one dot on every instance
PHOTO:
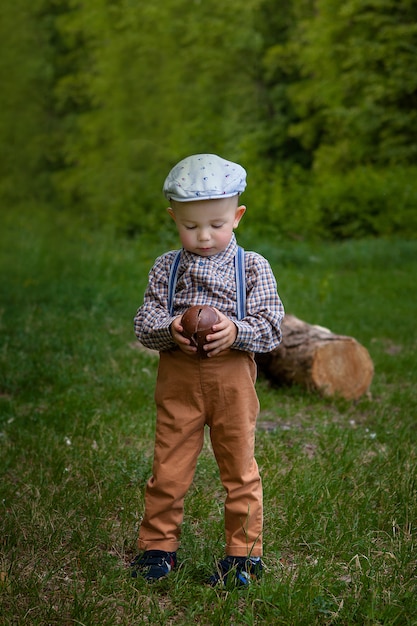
(205, 227)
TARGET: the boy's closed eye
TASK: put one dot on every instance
(193, 227)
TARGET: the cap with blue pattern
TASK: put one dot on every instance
(204, 177)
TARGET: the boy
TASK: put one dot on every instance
(203, 191)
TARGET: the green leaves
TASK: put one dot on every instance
(359, 84)
(100, 99)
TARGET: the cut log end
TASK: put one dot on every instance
(342, 368)
(314, 357)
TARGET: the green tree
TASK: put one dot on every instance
(317, 98)
(357, 97)
(138, 86)
(24, 78)
(277, 70)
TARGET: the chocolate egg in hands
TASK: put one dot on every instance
(197, 323)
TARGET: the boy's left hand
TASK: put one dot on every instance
(223, 336)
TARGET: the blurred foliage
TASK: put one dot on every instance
(357, 93)
(316, 98)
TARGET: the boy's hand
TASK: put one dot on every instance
(182, 342)
(223, 336)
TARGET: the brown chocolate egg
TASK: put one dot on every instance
(197, 323)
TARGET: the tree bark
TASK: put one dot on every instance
(314, 357)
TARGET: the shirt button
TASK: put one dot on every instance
(201, 262)
(199, 288)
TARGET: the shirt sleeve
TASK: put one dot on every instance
(153, 320)
(260, 329)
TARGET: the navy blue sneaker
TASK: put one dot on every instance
(153, 564)
(237, 571)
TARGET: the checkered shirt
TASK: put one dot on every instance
(211, 280)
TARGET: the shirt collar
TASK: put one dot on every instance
(221, 258)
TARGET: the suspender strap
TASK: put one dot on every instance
(172, 282)
(239, 277)
(240, 283)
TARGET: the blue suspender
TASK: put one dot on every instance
(240, 283)
(172, 283)
(239, 276)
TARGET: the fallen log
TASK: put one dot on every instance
(315, 358)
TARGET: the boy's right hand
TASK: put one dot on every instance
(182, 342)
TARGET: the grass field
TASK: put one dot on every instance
(76, 435)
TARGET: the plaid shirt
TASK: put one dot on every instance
(211, 280)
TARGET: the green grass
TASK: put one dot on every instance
(76, 434)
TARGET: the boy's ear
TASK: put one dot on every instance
(172, 214)
(238, 215)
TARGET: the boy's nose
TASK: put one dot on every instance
(204, 235)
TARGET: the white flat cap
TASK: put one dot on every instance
(204, 177)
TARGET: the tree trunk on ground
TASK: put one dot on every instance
(312, 356)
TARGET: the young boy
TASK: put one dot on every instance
(203, 191)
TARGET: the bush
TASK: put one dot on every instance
(368, 202)
(365, 202)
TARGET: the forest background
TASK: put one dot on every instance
(316, 98)
(99, 98)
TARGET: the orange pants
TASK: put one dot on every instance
(191, 392)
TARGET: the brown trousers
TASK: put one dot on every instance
(191, 392)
